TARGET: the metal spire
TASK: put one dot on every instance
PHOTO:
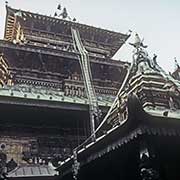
(176, 64)
(6, 2)
(59, 7)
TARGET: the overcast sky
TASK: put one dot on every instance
(157, 21)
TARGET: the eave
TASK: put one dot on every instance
(13, 95)
(132, 130)
(4, 46)
(118, 38)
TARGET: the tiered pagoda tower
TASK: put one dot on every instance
(44, 105)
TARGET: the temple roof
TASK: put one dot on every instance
(149, 87)
(109, 39)
(5, 45)
(148, 103)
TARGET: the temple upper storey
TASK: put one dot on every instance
(24, 27)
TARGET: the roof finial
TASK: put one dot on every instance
(63, 13)
(138, 42)
(6, 2)
(176, 63)
(154, 59)
(59, 7)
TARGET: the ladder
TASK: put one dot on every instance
(87, 76)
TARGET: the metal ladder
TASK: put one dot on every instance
(87, 76)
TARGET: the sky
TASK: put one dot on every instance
(157, 21)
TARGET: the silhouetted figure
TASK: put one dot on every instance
(64, 14)
(55, 14)
(59, 7)
(11, 165)
(176, 63)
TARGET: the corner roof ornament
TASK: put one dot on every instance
(18, 13)
(142, 62)
(176, 64)
(64, 14)
(6, 3)
(138, 43)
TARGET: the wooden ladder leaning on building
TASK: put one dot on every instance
(87, 76)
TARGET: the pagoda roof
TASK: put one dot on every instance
(147, 104)
(149, 88)
(120, 137)
(60, 53)
(117, 39)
